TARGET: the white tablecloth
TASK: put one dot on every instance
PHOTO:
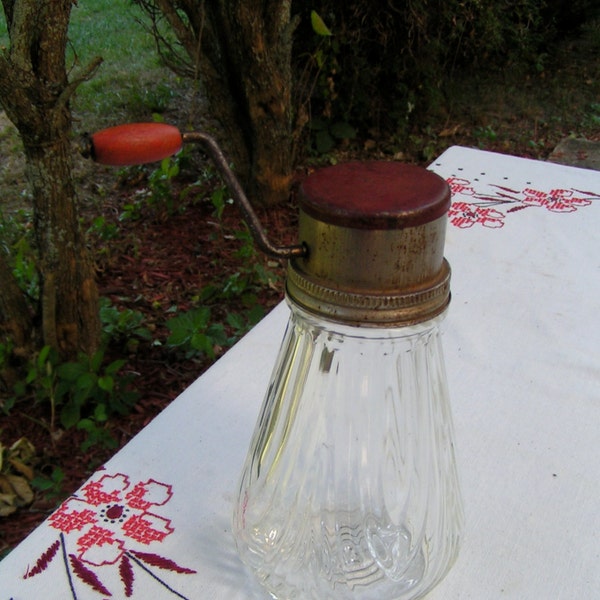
(523, 360)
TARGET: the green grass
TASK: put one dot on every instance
(131, 82)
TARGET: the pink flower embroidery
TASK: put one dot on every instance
(105, 522)
(464, 215)
(460, 186)
(557, 200)
(111, 514)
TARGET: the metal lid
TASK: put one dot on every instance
(375, 195)
(375, 236)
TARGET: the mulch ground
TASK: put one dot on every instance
(157, 264)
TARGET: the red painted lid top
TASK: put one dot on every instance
(375, 195)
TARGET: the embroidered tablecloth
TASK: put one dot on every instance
(523, 359)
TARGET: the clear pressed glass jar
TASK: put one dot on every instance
(350, 490)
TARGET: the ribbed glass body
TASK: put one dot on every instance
(350, 489)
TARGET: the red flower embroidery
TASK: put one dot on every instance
(460, 186)
(110, 514)
(482, 208)
(464, 215)
(106, 520)
(557, 200)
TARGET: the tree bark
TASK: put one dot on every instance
(16, 322)
(35, 92)
(241, 50)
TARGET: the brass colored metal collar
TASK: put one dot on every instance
(373, 309)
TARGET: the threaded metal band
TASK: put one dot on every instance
(413, 306)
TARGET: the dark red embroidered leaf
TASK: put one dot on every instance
(158, 561)
(43, 561)
(587, 193)
(506, 189)
(87, 576)
(492, 200)
(126, 573)
(516, 208)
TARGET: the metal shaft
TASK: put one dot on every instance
(241, 199)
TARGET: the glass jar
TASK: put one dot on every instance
(350, 489)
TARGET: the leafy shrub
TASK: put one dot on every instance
(124, 326)
(381, 64)
(84, 391)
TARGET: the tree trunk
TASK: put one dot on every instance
(68, 294)
(241, 51)
(35, 91)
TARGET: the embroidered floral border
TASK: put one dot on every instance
(470, 207)
(111, 523)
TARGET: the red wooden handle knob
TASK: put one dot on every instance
(135, 143)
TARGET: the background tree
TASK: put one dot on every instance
(35, 92)
(240, 51)
(371, 66)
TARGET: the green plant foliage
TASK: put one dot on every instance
(52, 486)
(326, 134)
(384, 65)
(160, 195)
(160, 182)
(97, 433)
(88, 384)
(318, 24)
(77, 390)
(104, 230)
(220, 199)
(16, 236)
(242, 322)
(125, 327)
(593, 115)
(194, 333)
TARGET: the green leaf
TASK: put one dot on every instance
(202, 343)
(100, 413)
(216, 332)
(179, 335)
(318, 124)
(318, 24)
(43, 356)
(41, 483)
(200, 317)
(106, 383)
(115, 366)
(236, 321)
(255, 314)
(31, 376)
(324, 142)
(86, 381)
(70, 415)
(96, 361)
(320, 58)
(71, 371)
(343, 131)
(86, 425)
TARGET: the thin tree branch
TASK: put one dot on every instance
(84, 75)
